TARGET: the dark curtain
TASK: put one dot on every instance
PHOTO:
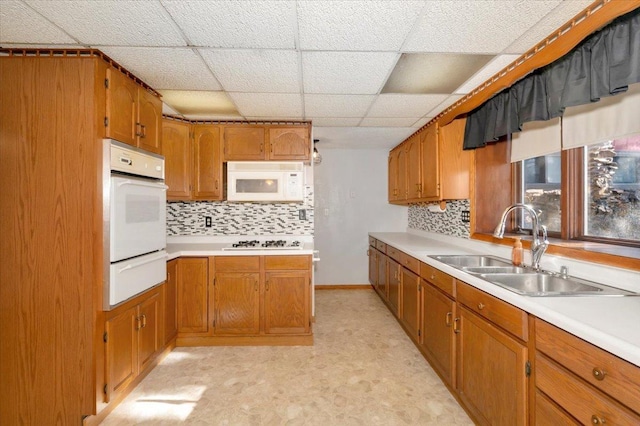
(604, 64)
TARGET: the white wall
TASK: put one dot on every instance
(351, 201)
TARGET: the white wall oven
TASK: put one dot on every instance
(265, 181)
(134, 221)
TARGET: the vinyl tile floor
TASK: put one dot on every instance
(362, 370)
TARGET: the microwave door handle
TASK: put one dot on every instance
(144, 262)
(148, 185)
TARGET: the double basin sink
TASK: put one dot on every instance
(527, 281)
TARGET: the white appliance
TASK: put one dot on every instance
(253, 244)
(134, 197)
(265, 181)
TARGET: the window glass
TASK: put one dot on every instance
(612, 189)
(541, 190)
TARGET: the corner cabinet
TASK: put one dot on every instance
(430, 166)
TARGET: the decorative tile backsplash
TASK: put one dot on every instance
(188, 218)
(448, 222)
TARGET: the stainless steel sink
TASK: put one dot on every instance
(497, 270)
(470, 261)
(545, 284)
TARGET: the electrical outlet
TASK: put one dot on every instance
(302, 214)
(207, 221)
(465, 216)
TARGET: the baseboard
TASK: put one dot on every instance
(282, 340)
(343, 287)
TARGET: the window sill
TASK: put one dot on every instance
(605, 254)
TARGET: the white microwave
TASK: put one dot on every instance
(265, 181)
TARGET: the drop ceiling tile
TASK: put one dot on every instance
(247, 24)
(200, 103)
(167, 110)
(346, 72)
(493, 67)
(472, 26)
(360, 137)
(104, 22)
(387, 122)
(268, 104)
(334, 121)
(337, 105)
(356, 25)
(21, 24)
(165, 68)
(255, 70)
(444, 105)
(404, 106)
(547, 25)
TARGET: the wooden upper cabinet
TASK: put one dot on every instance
(207, 163)
(430, 179)
(122, 99)
(287, 298)
(402, 174)
(455, 163)
(289, 143)
(176, 148)
(149, 121)
(134, 115)
(393, 175)
(244, 143)
(414, 183)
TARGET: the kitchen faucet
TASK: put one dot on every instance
(537, 247)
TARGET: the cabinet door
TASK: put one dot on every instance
(414, 188)
(403, 192)
(244, 144)
(122, 99)
(287, 302)
(430, 165)
(170, 298)
(289, 143)
(491, 377)
(393, 278)
(381, 282)
(373, 267)
(456, 162)
(207, 163)
(438, 340)
(236, 303)
(410, 312)
(176, 148)
(121, 362)
(192, 295)
(393, 175)
(149, 332)
(149, 121)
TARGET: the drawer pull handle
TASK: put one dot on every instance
(481, 306)
(598, 373)
(447, 319)
(455, 325)
(433, 277)
(595, 420)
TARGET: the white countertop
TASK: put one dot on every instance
(213, 246)
(611, 323)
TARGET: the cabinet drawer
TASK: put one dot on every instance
(287, 262)
(372, 241)
(618, 378)
(438, 278)
(394, 253)
(381, 246)
(411, 263)
(237, 263)
(501, 313)
(549, 414)
(582, 401)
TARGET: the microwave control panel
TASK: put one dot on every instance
(294, 186)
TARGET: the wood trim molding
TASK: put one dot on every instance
(238, 122)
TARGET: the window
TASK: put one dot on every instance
(541, 188)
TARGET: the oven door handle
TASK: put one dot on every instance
(144, 262)
(148, 185)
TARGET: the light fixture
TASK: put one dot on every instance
(317, 158)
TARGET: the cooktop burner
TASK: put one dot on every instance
(265, 245)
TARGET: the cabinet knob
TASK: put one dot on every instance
(598, 373)
(433, 276)
(595, 420)
(481, 306)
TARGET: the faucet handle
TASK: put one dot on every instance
(544, 233)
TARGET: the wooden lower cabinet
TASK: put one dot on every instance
(410, 312)
(286, 302)
(236, 303)
(393, 281)
(372, 253)
(491, 378)
(170, 300)
(547, 413)
(132, 336)
(438, 339)
(193, 295)
(382, 278)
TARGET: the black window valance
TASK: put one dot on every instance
(604, 64)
